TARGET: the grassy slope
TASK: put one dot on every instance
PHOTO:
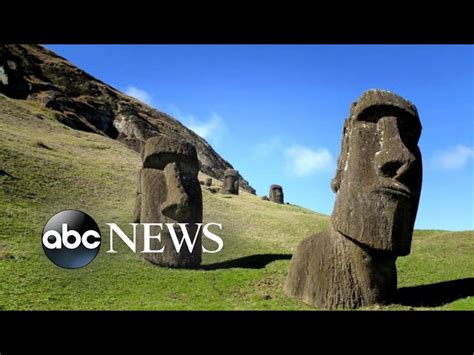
(97, 175)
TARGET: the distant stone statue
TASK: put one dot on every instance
(169, 192)
(208, 182)
(231, 182)
(378, 184)
(276, 194)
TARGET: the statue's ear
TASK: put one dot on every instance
(341, 161)
(335, 184)
(142, 149)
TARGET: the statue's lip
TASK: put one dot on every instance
(396, 188)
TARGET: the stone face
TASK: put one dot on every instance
(378, 184)
(379, 174)
(276, 194)
(169, 192)
(231, 182)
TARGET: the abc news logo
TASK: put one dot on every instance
(71, 239)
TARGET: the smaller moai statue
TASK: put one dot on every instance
(168, 191)
(231, 182)
(276, 194)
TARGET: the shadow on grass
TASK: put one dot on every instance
(258, 261)
(437, 294)
(4, 173)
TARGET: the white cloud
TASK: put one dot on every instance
(303, 161)
(139, 94)
(300, 160)
(453, 158)
(268, 147)
(211, 129)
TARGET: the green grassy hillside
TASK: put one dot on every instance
(47, 167)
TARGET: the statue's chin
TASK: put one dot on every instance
(382, 222)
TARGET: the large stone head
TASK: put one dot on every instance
(170, 193)
(379, 173)
(276, 194)
(231, 182)
(176, 167)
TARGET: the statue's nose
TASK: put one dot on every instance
(394, 159)
(176, 205)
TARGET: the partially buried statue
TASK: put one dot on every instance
(169, 192)
(276, 194)
(231, 182)
(378, 184)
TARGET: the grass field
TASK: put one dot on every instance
(52, 167)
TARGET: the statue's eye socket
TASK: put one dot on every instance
(186, 179)
(407, 123)
(367, 118)
(161, 160)
(410, 130)
(188, 168)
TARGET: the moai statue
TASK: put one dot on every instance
(276, 194)
(231, 182)
(169, 192)
(208, 182)
(377, 186)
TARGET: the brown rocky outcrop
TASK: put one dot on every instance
(83, 102)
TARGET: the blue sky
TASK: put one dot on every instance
(276, 112)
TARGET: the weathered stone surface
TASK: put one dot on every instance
(169, 192)
(330, 271)
(82, 102)
(138, 200)
(265, 198)
(379, 174)
(208, 182)
(276, 194)
(231, 182)
(378, 184)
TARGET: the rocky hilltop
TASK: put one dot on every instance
(83, 102)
